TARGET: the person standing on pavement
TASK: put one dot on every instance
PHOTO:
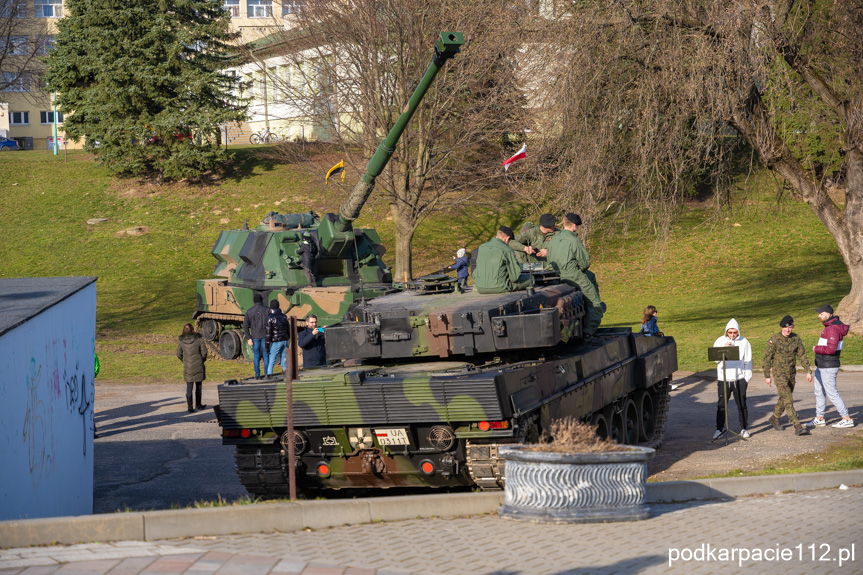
(737, 375)
(534, 241)
(827, 368)
(192, 351)
(568, 256)
(497, 270)
(780, 367)
(277, 336)
(311, 340)
(255, 330)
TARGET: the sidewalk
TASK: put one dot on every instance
(802, 523)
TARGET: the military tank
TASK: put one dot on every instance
(264, 261)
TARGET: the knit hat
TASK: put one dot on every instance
(825, 307)
(787, 321)
(546, 220)
(258, 298)
(506, 231)
(274, 304)
(460, 253)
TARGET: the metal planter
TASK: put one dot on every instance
(547, 487)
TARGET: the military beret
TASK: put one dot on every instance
(573, 218)
(787, 321)
(274, 304)
(506, 231)
(825, 307)
(546, 220)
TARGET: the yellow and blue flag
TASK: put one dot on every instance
(337, 169)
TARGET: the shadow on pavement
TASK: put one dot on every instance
(626, 566)
(135, 417)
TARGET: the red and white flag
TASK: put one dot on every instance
(519, 155)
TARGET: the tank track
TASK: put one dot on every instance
(486, 467)
(262, 471)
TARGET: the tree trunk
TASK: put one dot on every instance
(404, 239)
(850, 309)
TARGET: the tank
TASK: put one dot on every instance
(264, 260)
(437, 381)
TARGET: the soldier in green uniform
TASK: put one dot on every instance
(520, 255)
(497, 270)
(780, 362)
(567, 254)
(534, 241)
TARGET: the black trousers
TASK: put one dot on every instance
(738, 390)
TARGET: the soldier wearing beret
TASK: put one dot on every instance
(534, 241)
(497, 270)
(780, 366)
(567, 254)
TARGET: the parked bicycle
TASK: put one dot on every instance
(263, 137)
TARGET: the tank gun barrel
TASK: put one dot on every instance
(335, 229)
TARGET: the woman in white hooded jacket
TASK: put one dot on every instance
(737, 376)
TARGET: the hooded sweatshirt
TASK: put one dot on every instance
(739, 369)
(830, 343)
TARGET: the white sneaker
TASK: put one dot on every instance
(744, 434)
(719, 433)
(816, 422)
(674, 386)
(844, 423)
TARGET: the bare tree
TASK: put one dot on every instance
(644, 100)
(23, 41)
(348, 69)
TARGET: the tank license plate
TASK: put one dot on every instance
(393, 436)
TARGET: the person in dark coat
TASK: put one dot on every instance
(461, 266)
(311, 340)
(255, 330)
(277, 336)
(192, 351)
(308, 250)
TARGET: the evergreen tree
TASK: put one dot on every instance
(143, 82)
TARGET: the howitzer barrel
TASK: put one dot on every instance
(334, 233)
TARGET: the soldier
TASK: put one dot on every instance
(520, 255)
(309, 252)
(567, 254)
(497, 270)
(780, 361)
(534, 242)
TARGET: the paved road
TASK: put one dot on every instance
(825, 523)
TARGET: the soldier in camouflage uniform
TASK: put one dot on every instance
(780, 362)
(521, 256)
(534, 241)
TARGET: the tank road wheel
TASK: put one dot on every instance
(646, 416)
(598, 420)
(230, 345)
(617, 426)
(211, 329)
(630, 420)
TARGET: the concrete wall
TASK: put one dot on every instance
(46, 411)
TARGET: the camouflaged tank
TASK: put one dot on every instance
(441, 380)
(264, 261)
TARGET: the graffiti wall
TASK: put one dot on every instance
(46, 411)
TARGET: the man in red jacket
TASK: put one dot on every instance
(827, 367)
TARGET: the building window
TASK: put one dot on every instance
(291, 6)
(232, 7)
(48, 117)
(259, 8)
(48, 8)
(15, 82)
(9, 7)
(19, 118)
(44, 44)
(17, 46)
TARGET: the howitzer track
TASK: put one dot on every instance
(487, 469)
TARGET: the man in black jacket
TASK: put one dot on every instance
(311, 340)
(277, 336)
(255, 330)
(309, 252)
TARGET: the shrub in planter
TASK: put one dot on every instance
(576, 478)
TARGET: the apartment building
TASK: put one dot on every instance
(27, 105)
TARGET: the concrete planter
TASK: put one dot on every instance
(547, 487)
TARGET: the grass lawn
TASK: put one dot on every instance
(766, 260)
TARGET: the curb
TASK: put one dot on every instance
(286, 517)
